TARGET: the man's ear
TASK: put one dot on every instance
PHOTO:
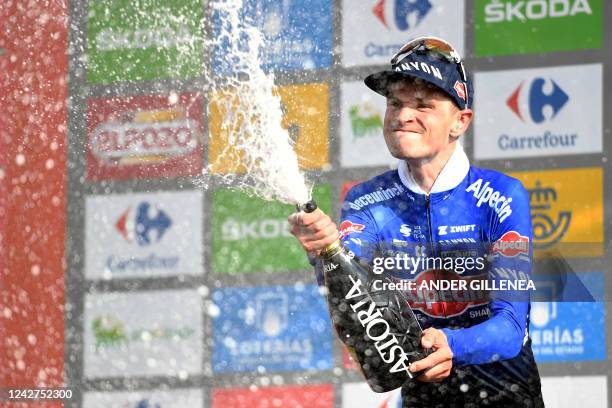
(463, 118)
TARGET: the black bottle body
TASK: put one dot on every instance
(378, 326)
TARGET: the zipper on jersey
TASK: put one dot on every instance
(427, 209)
(434, 247)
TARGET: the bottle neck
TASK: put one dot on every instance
(331, 250)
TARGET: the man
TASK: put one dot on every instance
(436, 204)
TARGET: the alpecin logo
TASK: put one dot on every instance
(347, 228)
(405, 14)
(538, 101)
(549, 225)
(144, 226)
(512, 244)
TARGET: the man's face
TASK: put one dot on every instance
(418, 120)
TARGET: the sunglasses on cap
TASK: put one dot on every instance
(433, 46)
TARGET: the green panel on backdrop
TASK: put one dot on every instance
(506, 27)
(252, 235)
(132, 40)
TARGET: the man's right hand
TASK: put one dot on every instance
(314, 230)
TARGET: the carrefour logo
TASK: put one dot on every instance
(145, 225)
(538, 101)
(401, 14)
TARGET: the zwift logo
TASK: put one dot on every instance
(541, 104)
(404, 14)
(548, 228)
(145, 226)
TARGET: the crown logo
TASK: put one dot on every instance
(540, 197)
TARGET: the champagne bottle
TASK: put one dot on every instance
(378, 326)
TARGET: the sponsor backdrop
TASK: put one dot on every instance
(281, 328)
(144, 136)
(244, 226)
(147, 40)
(143, 334)
(170, 295)
(568, 330)
(152, 234)
(145, 399)
(507, 27)
(298, 35)
(306, 118)
(374, 30)
(533, 112)
(566, 210)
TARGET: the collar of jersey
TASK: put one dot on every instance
(450, 177)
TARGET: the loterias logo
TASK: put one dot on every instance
(146, 225)
(280, 328)
(401, 14)
(548, 227)
(561, 331)
(538, 100)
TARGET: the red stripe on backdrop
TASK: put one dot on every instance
(33, 114)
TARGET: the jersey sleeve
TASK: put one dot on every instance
(356, 230)
(502, 336)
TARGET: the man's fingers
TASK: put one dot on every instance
(431, 360)
(429, 338)
(318, 245)
(308, 219)
(436, 373)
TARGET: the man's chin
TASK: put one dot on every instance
(410, 153)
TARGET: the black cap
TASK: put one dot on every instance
(426, 64)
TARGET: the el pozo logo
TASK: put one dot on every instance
(145, 137)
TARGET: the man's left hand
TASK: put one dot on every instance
(437, 366)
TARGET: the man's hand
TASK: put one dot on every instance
(437, 366)
(314, 230)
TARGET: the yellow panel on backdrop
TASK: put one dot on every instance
(305, 116)
(566, 210)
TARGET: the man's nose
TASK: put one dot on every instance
(406, 114)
